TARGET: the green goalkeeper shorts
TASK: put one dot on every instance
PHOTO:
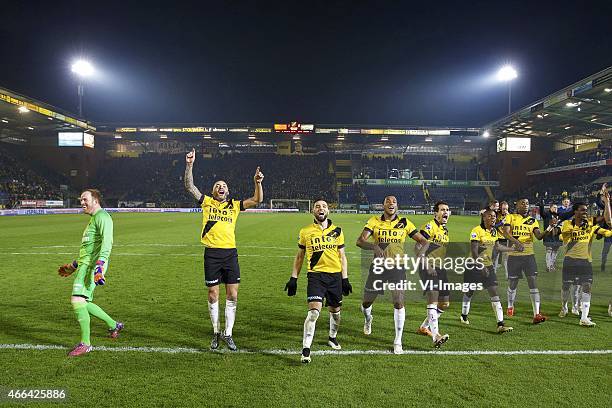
(84, 282)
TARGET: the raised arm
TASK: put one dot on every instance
(258, 194)
(189, 186)
(542, 210)
(607, 210)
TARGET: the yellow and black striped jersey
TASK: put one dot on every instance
(578, 238)
(219, 222)
(322, 247)
(437, 235)
(486, 242)
(522, 229)
(390, 235)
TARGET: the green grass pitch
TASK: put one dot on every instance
(155, 285)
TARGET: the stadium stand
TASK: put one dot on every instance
(155, 177)
(22, 179)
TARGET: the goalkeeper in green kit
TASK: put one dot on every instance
(96, 246)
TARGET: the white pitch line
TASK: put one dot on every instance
(187, 350)
(115, 254)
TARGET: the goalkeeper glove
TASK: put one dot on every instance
(291, 286)
(99, 273)
(346, 287)
(66, 270)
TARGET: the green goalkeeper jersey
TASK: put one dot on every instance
(97, 240)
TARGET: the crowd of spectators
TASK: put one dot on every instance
(420, 166)
(565, 159)
(159, 178)
(19, 180)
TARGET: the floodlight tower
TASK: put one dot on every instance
(507, 73)
(82, 69)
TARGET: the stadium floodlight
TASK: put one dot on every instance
(486, 133)
(23, 109)
(507, 73)
(608, 89)
(82, 69)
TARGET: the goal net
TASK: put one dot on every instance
(288, 203)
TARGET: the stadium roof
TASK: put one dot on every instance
(277, 132)
(21, 116)
(583, 109)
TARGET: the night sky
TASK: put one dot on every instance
(345, 62)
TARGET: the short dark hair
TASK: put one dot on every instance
(95, 193)
(438, 204)
(491, 202)
(579, 204)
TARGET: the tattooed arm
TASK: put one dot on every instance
(189, 186)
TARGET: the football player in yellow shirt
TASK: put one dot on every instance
(436, 232)
(322, 244)
(521, 229)
(219, 216)
(389, 232)
(577, 235)
(484, 240)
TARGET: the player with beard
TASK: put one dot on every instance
(322, 244)
(577, 235)
(436, 232)
(484, 239)
(389, 232)
(520, 229)
(219, 216)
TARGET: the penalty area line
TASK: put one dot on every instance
(187, 350)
